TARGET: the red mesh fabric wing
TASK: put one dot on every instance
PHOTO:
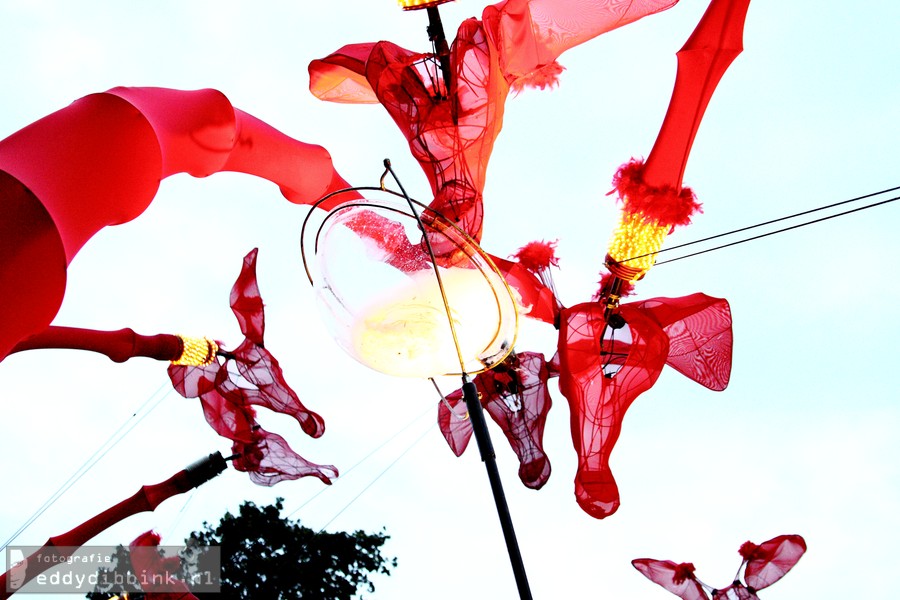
(766, 564)
(531, 34)
(538, 299)
(597, 402)
(99, 161)
(515, 394)
(452, 139)
(600, 378)
(735, 591)
(769, 561)
(157, 575)
(677, 578)
(454, 423)
(228, 406)
(700, 337)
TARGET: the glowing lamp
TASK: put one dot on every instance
(633, 247)
(196, 352)
(419, 4)
(395, 310)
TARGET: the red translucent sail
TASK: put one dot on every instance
(99, 162)
(515, 394)
(228, 403)
(603, 370)
(678, 578)
(157, 575)
(605, 363)
(765, 564)
(451, 133)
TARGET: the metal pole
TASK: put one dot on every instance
(486, 448)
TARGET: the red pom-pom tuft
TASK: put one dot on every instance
(748, 551)
(683, 572)
(545, 77)
(626, 288)
(537, 256)
(665, 205)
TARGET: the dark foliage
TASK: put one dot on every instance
(265, 555)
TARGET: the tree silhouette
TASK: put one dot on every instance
(265, 555)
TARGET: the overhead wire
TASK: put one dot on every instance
(379, 476)
(370, 454)
(771, 222)
(111, 442)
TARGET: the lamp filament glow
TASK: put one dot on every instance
(196, 352)
(633, 247)
(418, 4)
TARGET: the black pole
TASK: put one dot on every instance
(442, 49)
(486, 448)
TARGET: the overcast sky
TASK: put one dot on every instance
(802, 441)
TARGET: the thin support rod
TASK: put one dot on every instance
(486, 449)
(442, 49)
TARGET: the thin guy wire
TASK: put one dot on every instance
(89, 463)
(364, 459)
(764, 223)
(782, 230)
(379, 476)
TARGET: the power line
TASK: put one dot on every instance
(98, 454)
(782, 230)
(379, 476)
(771, 222)
(364, 459)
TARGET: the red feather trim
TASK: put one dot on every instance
(683, 572)
(749, 551)
(626, 288)
(665, 205)
(537, 256)
(545, 77)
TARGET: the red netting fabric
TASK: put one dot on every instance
(228, 400)
(673, 577)
(538, 300)
(515, 394)
(452, 139)
(766, 564)
(157, 575)
(602, 371)
(772, 559)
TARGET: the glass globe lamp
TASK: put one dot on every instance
(408, 304)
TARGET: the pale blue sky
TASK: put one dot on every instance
(803, 440)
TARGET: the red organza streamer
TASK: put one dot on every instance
(228, 406)
(671, 576)
(772, 559)
(538, 300)
(603, 370)
(766, 564)
(157, 575)
(516, 40)
(515, 394)
(99, 161)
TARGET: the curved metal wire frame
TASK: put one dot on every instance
(437, 217)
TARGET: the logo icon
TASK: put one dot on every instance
(17, 571)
